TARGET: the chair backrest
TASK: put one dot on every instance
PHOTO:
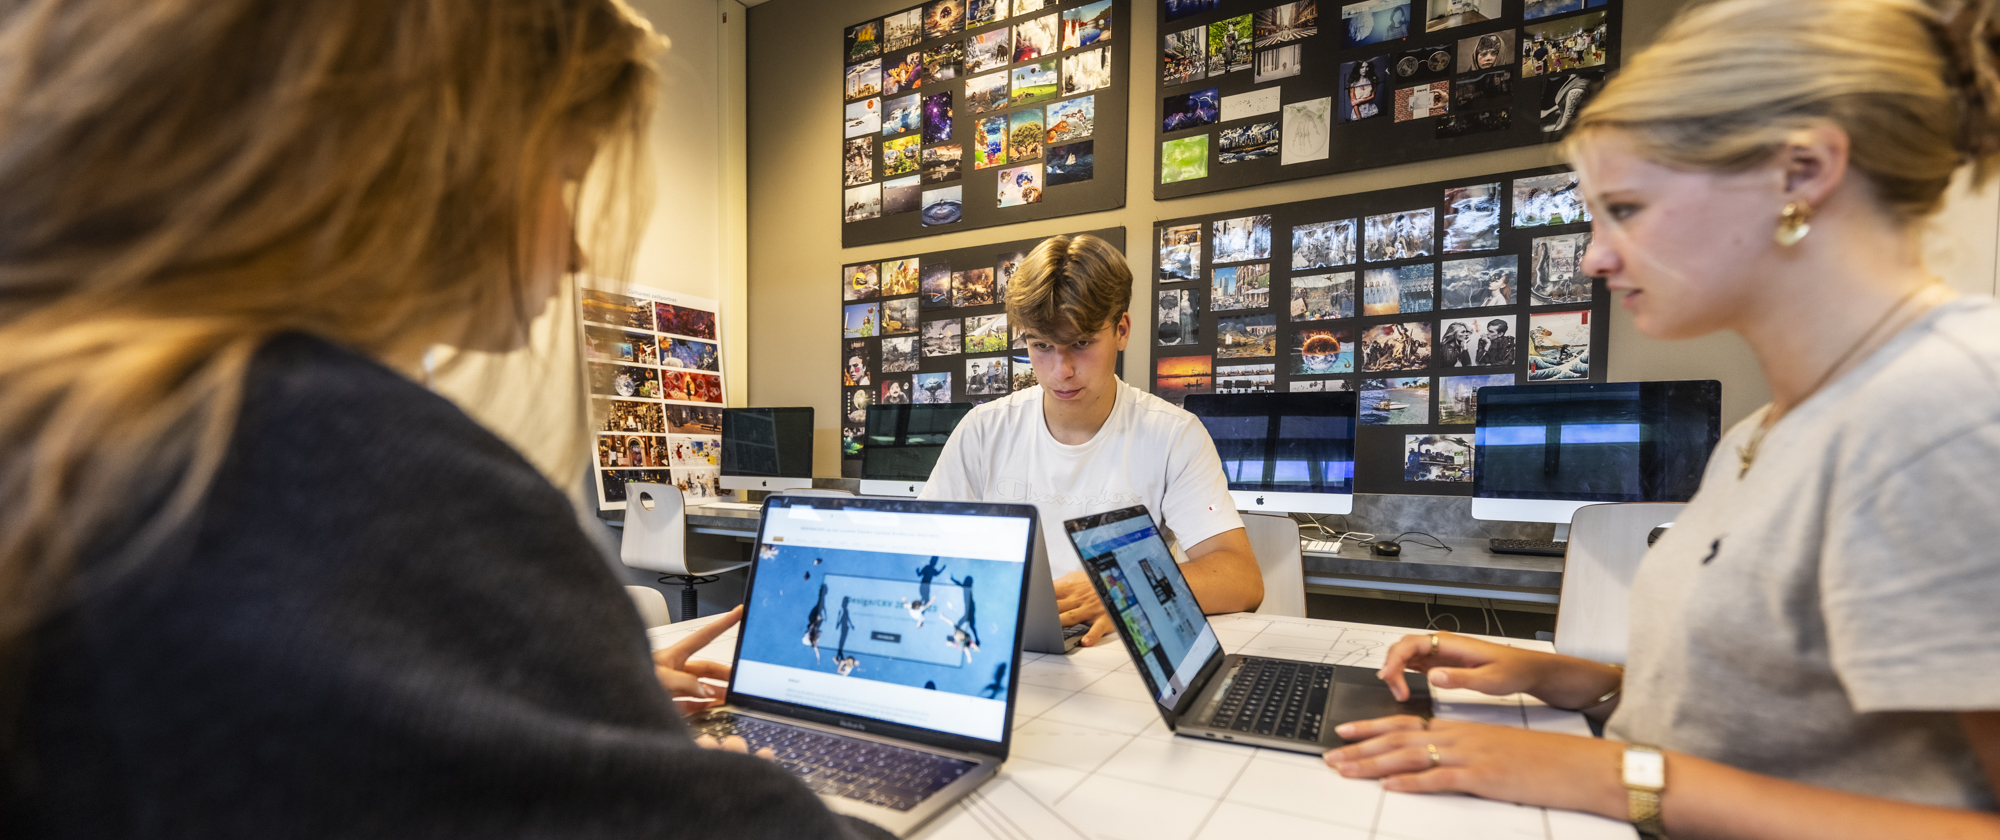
(655, 529)
(1275, 541)
(651, 604)
(1606, 543)
(815, 491)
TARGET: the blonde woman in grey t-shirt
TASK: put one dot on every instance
(1815, 646)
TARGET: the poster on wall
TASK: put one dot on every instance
(959, 116)
(1253, 92)
(1414, 297)
(932, 328)
(653, 366)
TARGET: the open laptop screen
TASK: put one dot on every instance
(876, 609)
(1145, 591)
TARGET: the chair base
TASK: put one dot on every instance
(689, 603)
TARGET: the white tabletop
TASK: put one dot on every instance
(1092, 759)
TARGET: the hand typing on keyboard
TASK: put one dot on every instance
(683, 679)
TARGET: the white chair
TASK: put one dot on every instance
(656, 540)
(651, 604)
(1606, 543)
(1275, 541)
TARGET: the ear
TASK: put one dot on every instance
(1813, 163)
(1124, 330)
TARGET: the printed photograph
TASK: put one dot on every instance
(1086, 25)
(1549, 200)
(1229, 45)
(1070, 163)
(934, 286)
(986, 333)
(863, 203)
(1086, 71)
(941, 163)
(1278, 63)
(1246, 336)
(856, 402)
(1489, 341)
(989, 51)
(1024, 372)
(1308, 130)
(1246, 379)
(973, 288)
(1323, 245)
(860, 282)
(989, 143)
(903, 29)
(1185, 57)
(864, 117)
(1179, 318)
(1374, 22)
(626, 416)
(990, 377)
(694, 420)
(937, 117)
(944, 62)
(864, 40)
(932, 388)
(942, 337)
(1177, 9)
(1322, 351)
(1021, 185)
(1559, 279)
(851, 436)
(682, 320)
(1485, 90)
(1399, 346)
(899, 355)
(1491, 51)
(1184, 160)
(1397, 291)
(625, 381)
(609, 345)
(1193, 109)
(986, 93)
(1241, 287)
(979, 12)
(1563, 96)
(1319, 297)
(1445, 14)
(904, 74)
(1180, 252)
(857, 364)
(1458, 397)
(1397, 236)
(1175, 377)
(1242, 238)
(1072, 119)
(1428, 64)
(1315, 386)
(1004, 268)
(690, 354)
(615, 481)
(1571, 43)
(1558, 346)
(899, 316)
(944, 18)
(1033, 83)
(1245, 143)
(1445, 458)
(1365, 89)
(1486, 281)
(1472, 218)
(1476, 122)
(865, 79)
(860, 320)
(1287, 23)
(1025, 130)
(895, 391)
(858, 162)
(900, 156)
(902, 114)
(1404, 401)
(1423, 101)
(1537, 9)
(616, 310)
(943, 206)
(1034, 38)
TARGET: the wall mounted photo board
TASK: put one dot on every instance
(653, 361)
(1415, 297)
(966, 114)
(1255, 91)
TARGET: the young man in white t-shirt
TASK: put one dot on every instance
(1084, 442)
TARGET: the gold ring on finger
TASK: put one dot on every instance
(1435, 759)
(1427, 724)
(1434, 644)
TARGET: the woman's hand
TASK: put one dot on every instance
(683, 679)
(1495, 762)
(733, 743)
(1077, 603)
(1454, 661)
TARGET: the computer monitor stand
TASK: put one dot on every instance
(885, 487)
(766, 484)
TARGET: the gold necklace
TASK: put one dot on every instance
(1747, 453)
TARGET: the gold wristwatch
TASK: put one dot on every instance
(1645, 778)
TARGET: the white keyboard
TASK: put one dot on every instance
(733, 506)
(1318, 546)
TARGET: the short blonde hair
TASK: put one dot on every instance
(1069, 287)
(1727, 82)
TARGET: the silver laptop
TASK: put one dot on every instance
(880, 649)
(1285, 704)
(1044, 631)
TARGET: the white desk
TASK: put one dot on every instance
(1091, 758)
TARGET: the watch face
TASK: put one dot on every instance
(1645, 769)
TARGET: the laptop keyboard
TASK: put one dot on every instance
(1276, 697)
(832, 765)
(1543, 548)
(1074, 631)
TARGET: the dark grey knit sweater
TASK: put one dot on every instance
(387, 625)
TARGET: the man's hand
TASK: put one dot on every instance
(1077, 602)
(683, 679)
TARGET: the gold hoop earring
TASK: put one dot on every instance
(1794, 222)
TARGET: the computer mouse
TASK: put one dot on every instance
(1388, 548)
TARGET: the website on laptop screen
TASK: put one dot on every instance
(904, 617)
(1148, 595)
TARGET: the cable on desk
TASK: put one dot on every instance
(1398, 539)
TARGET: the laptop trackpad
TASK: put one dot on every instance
(1354, 700)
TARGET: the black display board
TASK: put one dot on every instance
(1414, 296)
(960, 115)
(931, 328)
(1253, 92)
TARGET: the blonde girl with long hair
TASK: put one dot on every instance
(1815, 649)
(254, 580)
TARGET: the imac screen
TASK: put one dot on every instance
(902, 442)
(775, 442)
(1279, 443)
(1600, 442)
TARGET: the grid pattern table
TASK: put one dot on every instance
(1092, 759)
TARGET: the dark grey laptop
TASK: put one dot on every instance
(1285, 704)
(1044, 631)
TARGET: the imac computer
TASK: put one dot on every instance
(1283, 453)
(1539, 452)
(901, 443)
(768, 449)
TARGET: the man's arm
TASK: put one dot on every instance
(1223, 573)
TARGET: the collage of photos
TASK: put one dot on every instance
(1256, 91)
(960, 116)
(1412, 298)
(929, 329)
(653, 364)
